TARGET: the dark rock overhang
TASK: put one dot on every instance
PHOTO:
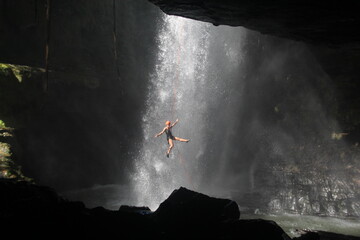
(333, 23)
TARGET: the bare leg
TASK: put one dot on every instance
(171, 145)
(181, 139)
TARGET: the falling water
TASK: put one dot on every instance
(258, 127)
(180, 88)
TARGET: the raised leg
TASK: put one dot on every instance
(181, 139)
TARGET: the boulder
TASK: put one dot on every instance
(254, 229)
(32, 211)
(187, 207)
(186, 214)
(133, 209)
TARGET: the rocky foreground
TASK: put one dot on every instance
(32, 211)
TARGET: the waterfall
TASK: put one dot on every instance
(259, 113)
(183, 86)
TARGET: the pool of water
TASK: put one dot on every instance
(291, 223)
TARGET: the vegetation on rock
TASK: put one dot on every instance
(21, 95)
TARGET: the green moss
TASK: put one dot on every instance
(2, 124)
(8, 168)
(21, 96)
(19, 71)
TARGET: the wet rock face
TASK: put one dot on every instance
(311, 193)
(321, 22)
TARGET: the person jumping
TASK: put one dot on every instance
(169, 136)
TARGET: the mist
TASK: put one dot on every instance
(260, 113)
(251, 104)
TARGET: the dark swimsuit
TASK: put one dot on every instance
(169, 135)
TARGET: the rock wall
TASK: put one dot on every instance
(305, 156)
(21, 98)
(90, 80)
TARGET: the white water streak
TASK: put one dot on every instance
(185, 84)
(178, 77)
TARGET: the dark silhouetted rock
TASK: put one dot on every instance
(134, 209)
(255, 229)
(310, 21)
(188, 207)
(190, 215)
(321, 235)
(309, 236)
(32, 211)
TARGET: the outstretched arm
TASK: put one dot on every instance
(177, 120)
(160, 132)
